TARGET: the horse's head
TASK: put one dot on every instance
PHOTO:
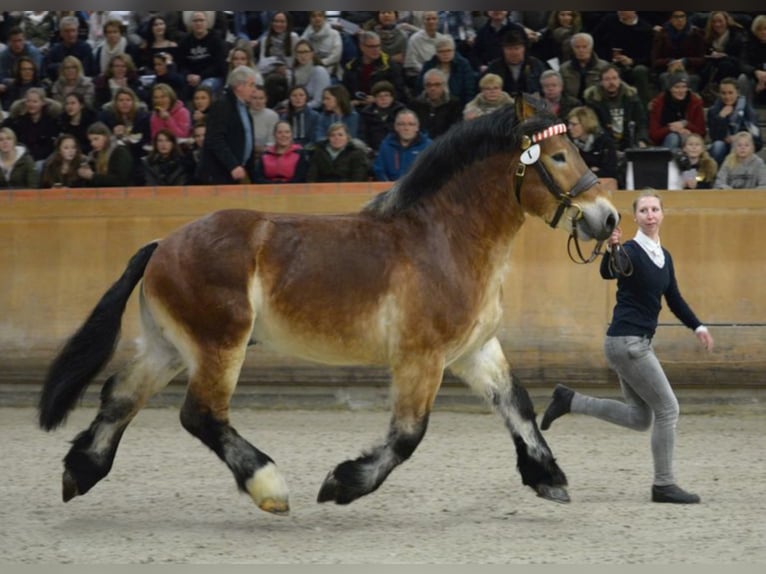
(552, 181)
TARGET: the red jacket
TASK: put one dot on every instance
(695, 117)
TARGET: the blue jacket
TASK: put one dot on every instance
(326, 120)
(462, 78)
(394, 160)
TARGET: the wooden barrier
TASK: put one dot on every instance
(62, 248)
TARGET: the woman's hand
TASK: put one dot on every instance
(705, 338)
(614, 238)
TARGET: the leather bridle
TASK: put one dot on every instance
(530, 153)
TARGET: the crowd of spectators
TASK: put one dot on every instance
(124, 98)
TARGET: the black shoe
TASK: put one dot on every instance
(674, 494)
(560, 405)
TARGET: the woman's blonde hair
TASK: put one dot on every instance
(490, 81)
(75, 61)
(647, 192)
(708, 167)
(587, 118)
(733, 159)
(168, 91)
(10, 133)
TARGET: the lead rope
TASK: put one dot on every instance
(619, 262)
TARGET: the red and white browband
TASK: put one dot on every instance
(548, 132)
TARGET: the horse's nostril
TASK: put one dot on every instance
(611, 221)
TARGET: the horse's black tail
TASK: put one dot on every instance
(88, 351)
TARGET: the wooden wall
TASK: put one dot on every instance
(61, 249)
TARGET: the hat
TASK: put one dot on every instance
(677, 77)
(515, 38)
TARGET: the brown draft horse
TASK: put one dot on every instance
(413, 281)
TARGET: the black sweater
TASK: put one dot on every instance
(639, 295)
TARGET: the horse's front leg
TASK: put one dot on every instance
(415, 384)
(487, 372)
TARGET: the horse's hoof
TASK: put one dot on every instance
(278, 507)
(554, 493)
(68, 486)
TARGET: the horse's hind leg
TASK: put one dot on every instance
(92, 453)
(205, 414)
(488, 373)
(415, 384)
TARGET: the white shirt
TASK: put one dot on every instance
(653, 248)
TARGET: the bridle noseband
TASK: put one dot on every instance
(530, 155)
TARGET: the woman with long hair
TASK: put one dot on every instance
(724, 48)
(169, 113)
(277, 57)
(596, 146)
(698, 169)
(302, 119)
(129, 121)
(109, 163)
(555, 38)
(26, 75)
(120, 73)
(309, 72)
(17, 168)
(165, 164)
(60, 169)
(336, 107)
(156, 42)
(75, 119)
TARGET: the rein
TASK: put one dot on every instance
(529, 156)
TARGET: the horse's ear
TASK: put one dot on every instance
(524, 107)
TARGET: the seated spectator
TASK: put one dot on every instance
(194, 152)
(115, 42)
(596, 146)
(164, 71)
(17, 167)
(461, 76)
(17, 47)
(675, 113)
(584, 69)
(554, 42)
(698, 169)
(309, 72)
(60, 169)
(72, 80)
(724, 49)
(201, 101)
(284, 161)
(619, 109)
(121, 73)
(337, 158)
(519, 71)
(393, 39)
(325, 40)
(109, 163)
(264, 120)
(128, 119)
(557, 101)
(488, 44)
(34, 120)
(754, 64)
(201, 57)
(625, 39)
(490, 98)
(421, 46)
(336, 107)
(376, 120)
(742, 168)
(75, 119)
(157, 41)
(730, 114)
(678, 45)
(302, 119)
(25, 75)
(168, 113)
(165, 164)
(69, 45)
(372, 66)
(437, 109)
(399, 150)
(241, 54)
(276, 57)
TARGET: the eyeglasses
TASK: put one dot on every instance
(371, 45)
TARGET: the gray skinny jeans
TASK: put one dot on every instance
(648, 396)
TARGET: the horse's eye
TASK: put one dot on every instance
(559, 157)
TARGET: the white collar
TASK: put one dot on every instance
(653, 248)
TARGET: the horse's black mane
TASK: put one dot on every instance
(454, 151)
